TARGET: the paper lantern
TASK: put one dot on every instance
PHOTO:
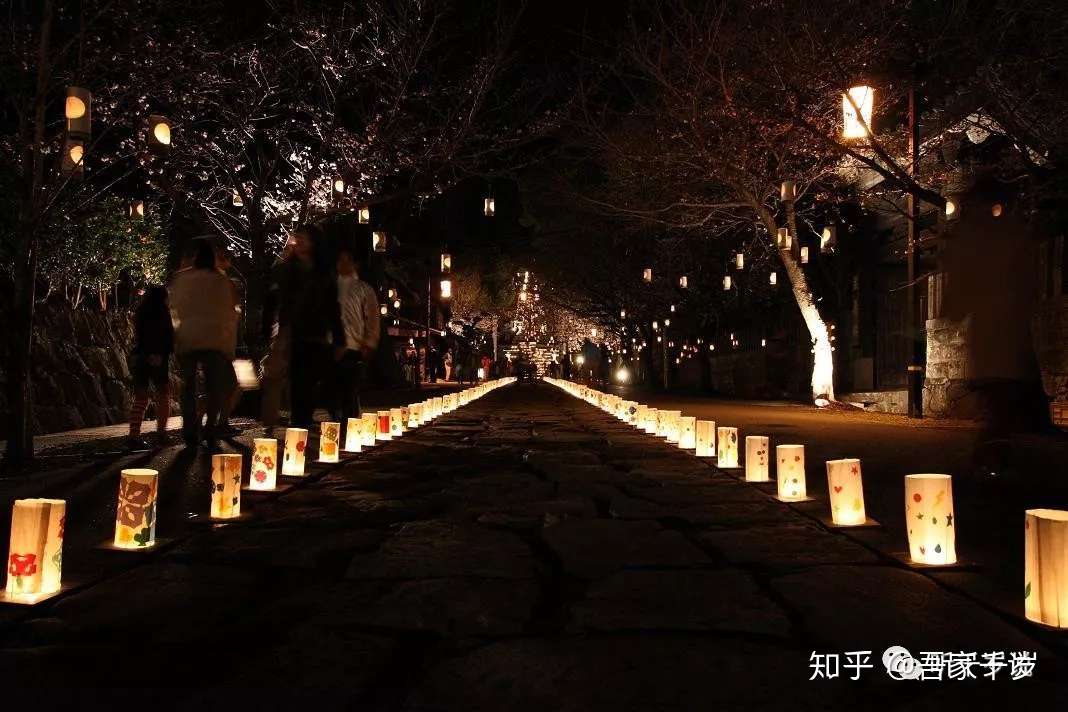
(437, 407)
(952, 208)
(790, 471)
(264, 472)
(414, 413)
(1046, 566)
(378, 241)
(684, 282)
(446, 263)
(727, 447)
(757, 455)
(337, 188)
(666, 423)
(158, 133)
(489, 207)
(363, 215)
(846, 489)
(384, 431)
(424, 412)
(857, 108)
(245, 370)
(35, 553)
(293, 457)
(647, 274)
(78, 110)
(705, 438)
(329, 441)
(446, 289)
(652, 420)
(829, 238)
(726, 283)
(135, 514)
(804, 254)
(773, 279)
(788, 192)
(369, 431)
(929, 519)
(73, 163)
(225, 486)
(688, 432)
(783, 240)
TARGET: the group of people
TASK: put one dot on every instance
(320, 319)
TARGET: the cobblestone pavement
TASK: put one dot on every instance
(526, 552)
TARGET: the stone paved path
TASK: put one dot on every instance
(526, 552)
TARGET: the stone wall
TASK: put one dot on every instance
(79, 369)
(947, 366)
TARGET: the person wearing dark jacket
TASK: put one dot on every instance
(150, 362)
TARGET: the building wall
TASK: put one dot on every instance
(947, 365)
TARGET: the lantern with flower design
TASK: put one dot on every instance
(135, 514)
(35, 553)
(846, 489)
(727, 447)
(757, 454)
(293, 456)
(929, 519)
(264, 473)
(1046, 566)
(705, 438)
(329, 442)
(790, 471)
(225, 486)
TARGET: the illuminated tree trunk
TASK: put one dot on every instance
(822, 357)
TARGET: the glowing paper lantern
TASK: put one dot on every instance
(396, 422)
(363, 214)
(705, 438)
(264, 473)
(688, 432)
(804, 254)
(788, 192)
(727, 447)
(952, 209)
(245, 370)
(684, 282)
(293, 457)
(378, 241)
(666, 423)
(415, 413)
(338, 188)
(446, 289)
(1046, 566)
(438, 408)
(784, 240)
(237, 201)
(135, 514)
(78, 110)
(857, 108)
(829, 238)
(73, 163)
(35, 553)
(158, 133)
(383, 432)
(446, 263)
(489, 207)
(652, 420)
(757, 454)
(773, 278)
(929, 519)
(790, 471)
(329, 441)
(369, 431)
(225, 486)
(647, 274)
(726, 283)
(846, 488)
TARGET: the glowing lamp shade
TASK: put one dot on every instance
(688, 432)
(846, 489)
(264, 473)
(647, 274)
(857, 106)
(158, 134)
(952, 209)
(788, 191)
(338, 188)
(35, 552)
(446, 289)
(652, 420)
(363, 215)
(73, 163)
(684, 282)
(727, 447)
(804, 254)
(225, 486)
(726, 283)
(369, 433)
(378, 241)
(245, 370)
(705, 438)
(783, 239)
(757, 455)
(773, 279)
(489, 207)
(78, 110)
(929, 519)
(329, 442)
(353, 435)
(667, 424)
(383, 428)
(790, 471)
(739, 261)
(135, 514)
(396, 422)
(1046, 566)
(446, 263)
(828, 238)
(415, 411)
(293, 457)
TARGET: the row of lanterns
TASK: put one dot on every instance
(35, 554)
(929, 511)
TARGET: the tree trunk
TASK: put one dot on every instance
(255, 291)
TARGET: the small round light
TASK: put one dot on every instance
(162, 132)
(996, 210)
(75, 108)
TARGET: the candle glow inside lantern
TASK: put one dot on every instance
(363, 214)
(73, 163)
(383, 427)
(790, 471)
(726, 282)
(788, 191)
(929, 519)
(784, 239)
(828, 238)
(225, 486)
(415, 411)
(135, 514)
(845, 486)
(688, 432)
(353, 433)
(757, 455)
(489, 207)
(652, 421)
(329, 438)
(726, 447)
(739, 261)
(369, 431)
(446, 263)
(1046, 566)
(35, 552)
(446, 289)
(804, 255)
(264, 473)
(378, 241)
(647, 274)
(857, 108)
(665, 421)
(293, 457)
(684, 282)
(705, 438)
(158, 132)
(78, 110)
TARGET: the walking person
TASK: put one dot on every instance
(150, 362)
(202, 307)
(448, 365)
(233, 392)
(360, 320)
(277, 333)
